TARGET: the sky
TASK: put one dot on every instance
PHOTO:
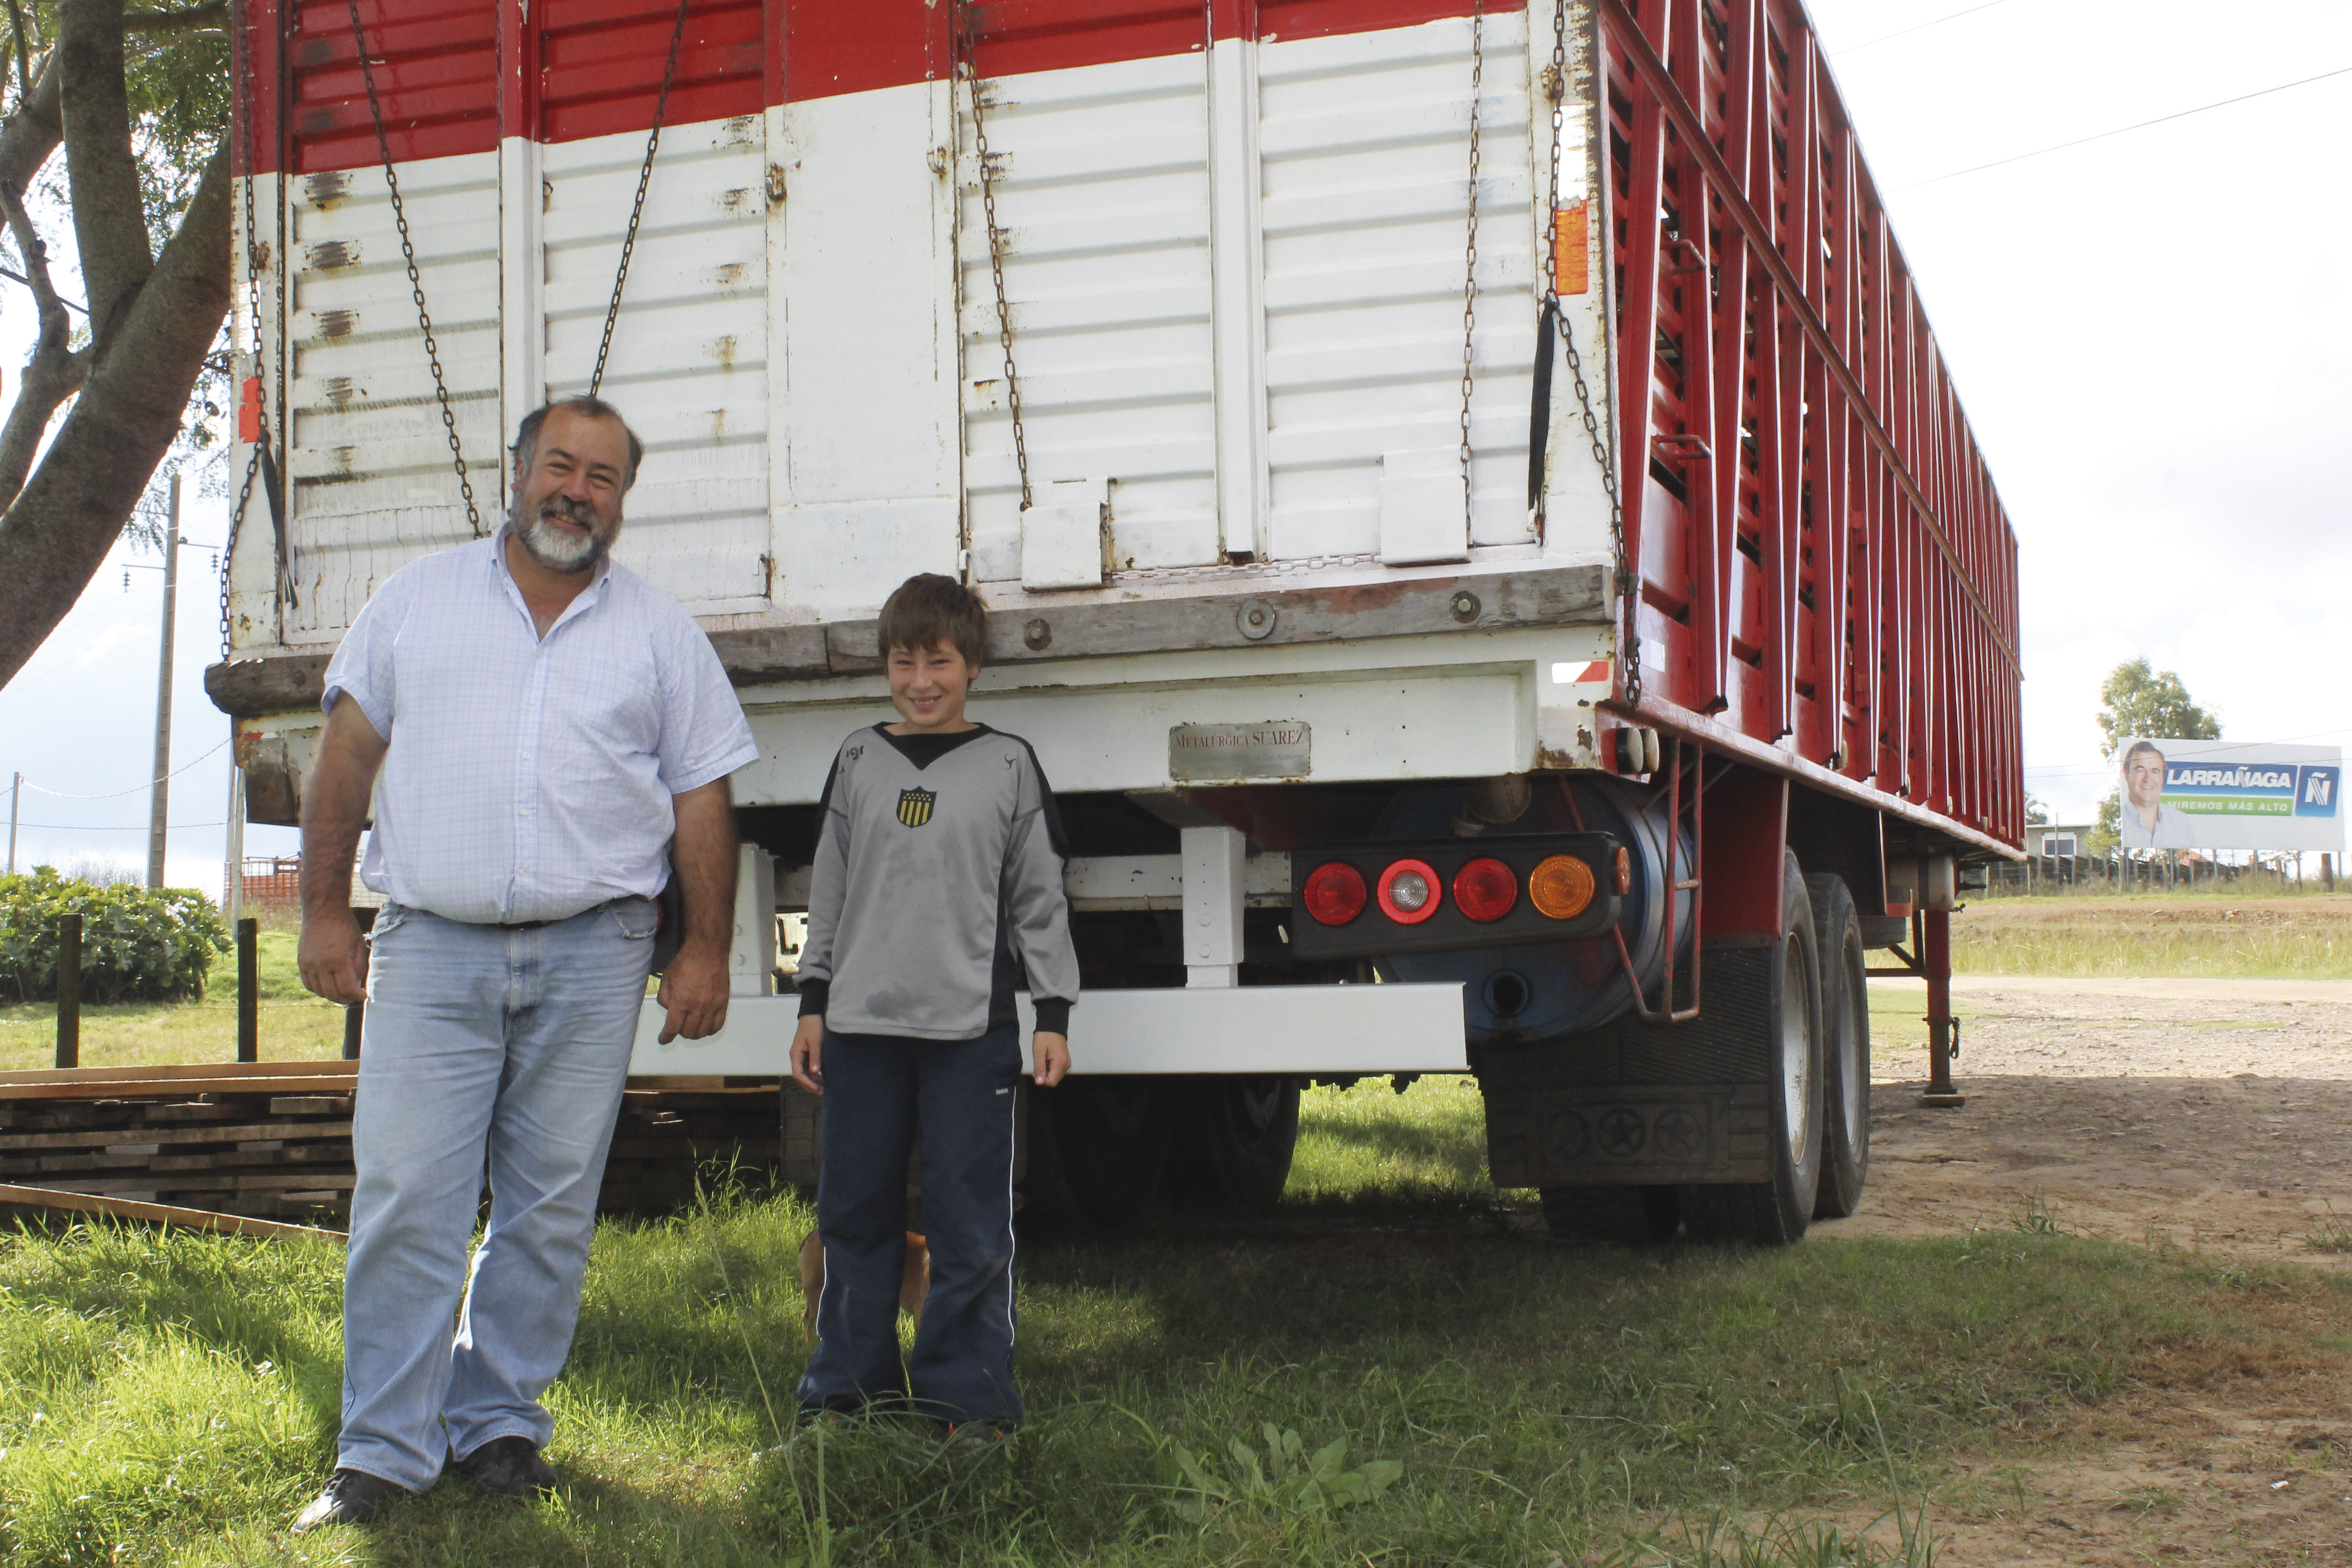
(2151, 332)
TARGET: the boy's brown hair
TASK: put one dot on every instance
(928, 609)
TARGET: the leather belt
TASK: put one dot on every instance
(536, 925)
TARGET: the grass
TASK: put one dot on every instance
(172, 1398)
(294, 1025)
(2188, 934)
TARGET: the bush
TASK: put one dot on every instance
(136, 945)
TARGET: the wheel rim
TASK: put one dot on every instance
(1796, 1059)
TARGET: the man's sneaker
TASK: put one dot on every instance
(509, 1466)
(352, 1496)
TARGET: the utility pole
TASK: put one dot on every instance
(233, 885)
(16, 788)
(160, 796)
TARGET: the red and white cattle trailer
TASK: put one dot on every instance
(1475, 520)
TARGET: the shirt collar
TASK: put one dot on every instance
(587, 600)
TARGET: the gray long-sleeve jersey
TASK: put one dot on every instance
(937, 888)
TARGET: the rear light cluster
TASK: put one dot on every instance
(1409, 890)
(1438, 895)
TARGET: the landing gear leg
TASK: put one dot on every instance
(1943, 1043)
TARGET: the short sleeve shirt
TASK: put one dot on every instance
(531, 778)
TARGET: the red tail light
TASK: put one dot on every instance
(1409, 892)
(1334, 893)
(1624, 868)
(1484, 889)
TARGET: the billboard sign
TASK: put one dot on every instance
(2227, 795)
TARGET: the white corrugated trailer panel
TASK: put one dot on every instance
(1365, 142)
(1234, 281)
(372, 482)
(689, 357)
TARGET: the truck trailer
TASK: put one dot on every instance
(1472, 518)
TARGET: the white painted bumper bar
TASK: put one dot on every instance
(1287, 1030)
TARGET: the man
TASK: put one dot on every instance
(545, 723)
(2147, 822)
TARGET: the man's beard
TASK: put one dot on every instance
(558, 549)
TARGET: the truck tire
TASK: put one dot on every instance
(1776, 1212)
(1097, 1150)
(1234, 1139)
(1630, 1215)
(1845, 1048)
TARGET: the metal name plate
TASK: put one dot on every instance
(1277, 749)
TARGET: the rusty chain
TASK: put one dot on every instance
(1470, 251)
(1628, 588)
(637, 211)
(242, 42)
(997, 246)
(416, 281)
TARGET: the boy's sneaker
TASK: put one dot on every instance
(509, 1466)
(978, 1431)
(351, 1497)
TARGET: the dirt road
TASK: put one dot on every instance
(2208, 1114)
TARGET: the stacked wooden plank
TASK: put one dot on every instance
(673, 1131)
(273, 1139)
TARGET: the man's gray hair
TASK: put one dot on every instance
(526, 442)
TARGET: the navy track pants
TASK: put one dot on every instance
(879, 1089)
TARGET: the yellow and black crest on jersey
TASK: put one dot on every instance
(915, 805)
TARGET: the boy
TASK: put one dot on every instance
(937, 885)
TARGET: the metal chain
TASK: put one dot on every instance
(243, 43)
(996, 247)
(637, 211)
(1628, 586)
(1470, 248)
(416, 281)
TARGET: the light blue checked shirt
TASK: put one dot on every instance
(530, 779)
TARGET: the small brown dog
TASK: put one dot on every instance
(914, 1280)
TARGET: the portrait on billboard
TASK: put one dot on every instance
(2147, 822)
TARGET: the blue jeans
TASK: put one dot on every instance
(485, 1051)
(877, 1089)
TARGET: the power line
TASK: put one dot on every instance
(1920, 28)
(2122, 129)
(117, 795)
(93, 827)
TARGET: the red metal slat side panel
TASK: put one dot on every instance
(601, 63)
(1328, 18)
(435, 68)
(834, 47)
(256, 65)
(831, 48)
(1869, 615)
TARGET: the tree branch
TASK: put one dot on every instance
(24, 67)
(72, 508)
(110, 218)
(174, 21)
(54, 374)
(29, 135)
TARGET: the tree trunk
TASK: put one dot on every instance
(109, 220)
(72, 509)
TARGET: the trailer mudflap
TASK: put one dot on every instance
(1639, 1103)
(1630, 1135)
